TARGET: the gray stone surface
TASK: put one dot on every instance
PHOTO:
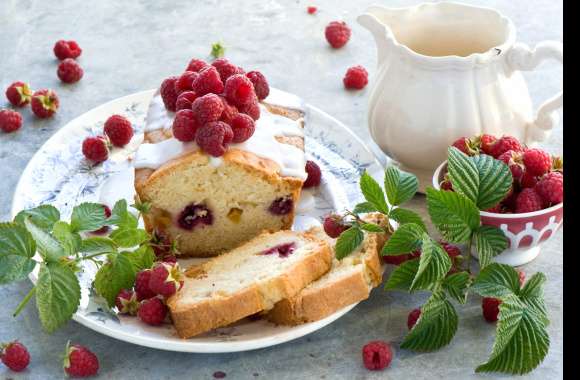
(130, 46)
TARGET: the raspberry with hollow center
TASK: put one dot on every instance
(551, 188)
(377, 355)
(119, 130)
(10, 120)
(126, 302)
(314, 175)
(194, 215)
(95, 149)
(261, 87)
(513, 161)
(282, 206)
(168, 93)
(337, 34)
(243, 127)
(225, 68)
(185, 125)
(537, 161)
(18, 94)
(69, 71)
(44, 103)
(485, 143)
(413, 317)
(207, 108)
(213, 138)
(239, 90)
(208, 81)
(528, 200)
(67, 49)
(185, 100)
(356, 78)
(185, 81)
(196, 65)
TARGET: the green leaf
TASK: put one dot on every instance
(497, 281)
(58, 294)
(121, 217)
(217, 50)
(407, 238)
(116, 274)
(17, 247)
(400, 186)
(454, 215)
(434, 263)
(88, 217)
(98, 244)
(69, 240)
(373, 193)
(363, 208)
(463, 174)
(49, 248)
(371, 227)
(405, 216)
(532, 294)
(141, 258)
(129, 237)
(435, 327)
(142, 207)
(348, 242)
(44, 216)
(489, 242)
(495, 180)
(402, 277)
(456, 285)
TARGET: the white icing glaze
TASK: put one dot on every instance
(152, 156)
(282, 98)
(307, 202)
(158, 117)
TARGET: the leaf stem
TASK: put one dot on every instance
(468, 259)
(24, 301)
(89, 257)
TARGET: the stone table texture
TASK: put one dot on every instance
(129, 46)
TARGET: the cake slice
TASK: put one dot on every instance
(247, 280)
(350, 280)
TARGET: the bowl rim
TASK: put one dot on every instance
(435, 183)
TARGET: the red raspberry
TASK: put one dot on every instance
(80, 362)
(463, 144)
(521, 277)
(69, 71)
(446, 185)
(537, 161)
(413, 317)
(356, 78)
(486, 142)
(243, 127)
(251, 109)
(196, 65)
(528, 180)
(239, 90)
(19, 94)
(337, 34)
(15, 356)
(207, 108)
(490, 307)
(119, 130)
(170, 259)
(261, 87)
(528, 201)
(334, 226)
(497, 209)
(142, 288)
(504, 144)
(214, 138)
(314, 174)
(166, 279)
(208, 81)
(452, 250)
(10, 120)
(229, 112)
(185, 100)
(185, 81)
(168, 93)
(126, 302)
(311, 10)
(377, 355)
(95, 149)
(44, 103)
(513, 161)
(104, 229)
(152, 311)
(397, 259)
(66, 49)
(551, 188)
(225, 68)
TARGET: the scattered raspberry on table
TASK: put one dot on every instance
(337, 34)
(356, 78)
(15, 356)
(80, 361)
(67, 49)
(10, 120)
(69, 71)
(18, 94)
(44, 103)
(377, 355)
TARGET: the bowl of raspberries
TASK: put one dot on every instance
(533, 209)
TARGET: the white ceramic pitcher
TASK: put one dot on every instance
(447, 70)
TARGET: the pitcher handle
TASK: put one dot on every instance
(522, 58)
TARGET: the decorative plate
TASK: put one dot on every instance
(58, 174)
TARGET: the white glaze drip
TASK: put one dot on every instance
(158, 117)
(152, 156)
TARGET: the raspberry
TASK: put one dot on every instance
(152, 311)
(126, 302)
(15, 356)
(104, 229)
(18, 94)
(243, 127)
(10, 120)
(314, 175)
(207, 108)
(452, 250)
(446, 185)
(521, 277)
(169, 259)
(69, 71)
(185, 126)
(356, 77)
(334, 226)
(281, 206)
(528, 180)
(80, 362)
(551, 188)
(495, 209)
(185, 100)
(95, 149)
(44, 103)
(251, 109)
(490, 307)
(413, 317)
(397, 259)
(503, 145)
(261, 87)
(377, 355)
(142, 288)
(168, 93)
(196, 65)
(208, 81)
(239, 90)
(66, 49)
(466, 146)
(214, 138)
(119, 130)
(528, 201)
(225, 68)
(486, 141)
(194, 215)
(185, 81)
(229, 112)
(166, 279)
(311, 10)
(337, 34)
(537, 161)
(513, 161)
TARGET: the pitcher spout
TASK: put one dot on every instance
(372, 21)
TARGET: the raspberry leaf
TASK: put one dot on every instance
(87, 217)
(435, 327)
(495, 180)
(348, 241)
(97, 244)
(116, 274)
(129, 237)
(407, 238)
(69, 240)
(434, 263)
(48, 247)
(58, 294)
(400, 186)
(141, 258)
(363, 208)
(489, 242)
(373, 193)
(463, 174)
(43, 216)
(457, 285)
(406, 216)
(16, 250)
(402, 277)
(371, 227)
(453, 214)
(121, 217)
(532, 294)
(497, 281)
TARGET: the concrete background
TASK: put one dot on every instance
(132, 45)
